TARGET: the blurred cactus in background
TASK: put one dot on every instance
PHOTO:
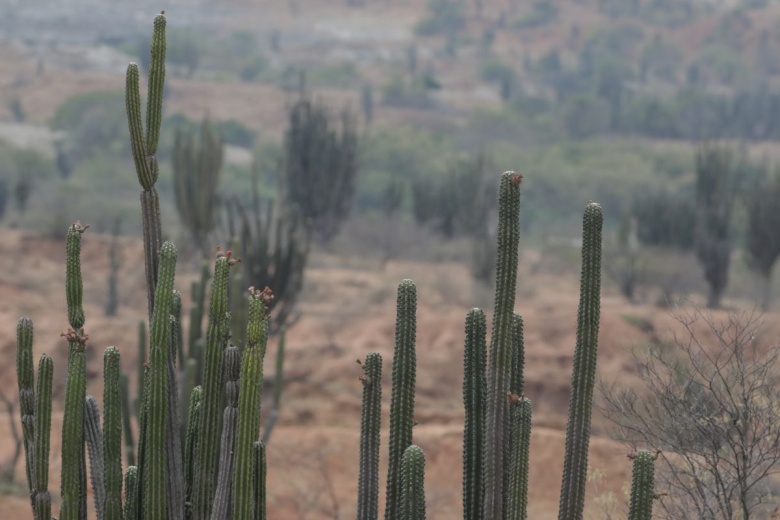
(320, 165)
(197, 165)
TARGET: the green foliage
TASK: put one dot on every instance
(716, 178)
(444, 16)
(543, 12)
(665, 219)
(95, 123)
(400, 92)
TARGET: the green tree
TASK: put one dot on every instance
(716, 176)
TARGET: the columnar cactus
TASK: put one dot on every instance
(124, 385)
(208, 427)
(642, 492)
(94, 439)
(155, 475)
(413, 484)
(402, 400)
(196, 173)
(112, 434)
(501, 346)
(575, 466)
(260, 470)
(249, 403)
(190, 448)
(517, 381)
(73, 460)
(144, 147)
(370, 425)
(40, 469)
(517, 492)
(25, 380)
(131, 511)
(474, 362)
(173, 424)
(223, 494)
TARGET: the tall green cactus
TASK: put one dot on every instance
(260, 469)
(42, 507)
(25, 381)
(517, 490)
(249, 402)
(501, 346)
(190, 448)
(73, 474)
(370, 425)
(155, 475)
(94, 439)
(173, 423)
(575, 466)
(209, 419)
(402, 400)
(642, 491)
(413, 484)
(112, 434)
(474, 362)
(144, 148)
(223, 492)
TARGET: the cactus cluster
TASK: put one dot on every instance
(212, 466)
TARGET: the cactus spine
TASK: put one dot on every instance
(155, 475)
(40, 470)
(474, 361)
(73, 460)
(575, 466)
(370, 425)
(517, 492)
(94, 438)
(112, 434)
(208, 427)
(402, 400)
(249, 403)
(642, 495)
(25, 380)
(499, 371)
(222, 495)
(413, 484)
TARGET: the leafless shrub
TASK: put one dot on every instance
(711, 404)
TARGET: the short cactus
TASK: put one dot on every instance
(97, 466)
(25, 380)
(642, 492)
(112, 434)
(517, 492)
(370, 425)
(413, 484)
(42, 507)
